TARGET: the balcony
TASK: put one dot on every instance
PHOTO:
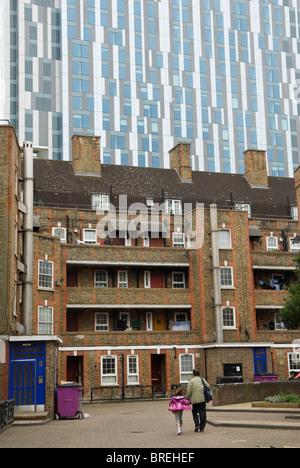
(273, 260)
(132, 298)
(140, 256)
(269, 299)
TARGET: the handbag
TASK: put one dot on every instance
(208, 395)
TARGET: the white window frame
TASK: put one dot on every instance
(100, 202)
(233, 326)
(224, 246)
(147, 279)
(270, 247)
(44, 275)
(174, 206)
(149, 321)
(113, 375)
(294, 212)
(183, 314)
(123, 284)
(227, 286)
(294, 247)
(61, 233)
(133, 375)
(294, 366)
(176, 283)
(44, 322)
(101, 284)
(126, 316)
(278, 322)
(179, 242)
(90, 240)
(128, 242)
(146, 241)
(240, 206)
(185, 376)
(104, 326)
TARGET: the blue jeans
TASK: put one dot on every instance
(199, 415)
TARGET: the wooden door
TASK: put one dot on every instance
(159, 321)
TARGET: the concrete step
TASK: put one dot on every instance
(31, 418)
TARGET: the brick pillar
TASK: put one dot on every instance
(180, 159)
(86, 154)
(256, 168)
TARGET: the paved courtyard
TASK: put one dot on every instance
(150, 425)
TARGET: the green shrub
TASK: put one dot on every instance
(283, 398)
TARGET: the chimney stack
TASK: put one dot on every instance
(180, 159)
(256, 168)
(86, 155)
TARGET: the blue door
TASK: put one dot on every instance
(27, 376)
(260, 360)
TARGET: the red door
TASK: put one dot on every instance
(157, 280)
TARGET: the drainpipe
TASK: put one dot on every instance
(216, 273)
(28, 236)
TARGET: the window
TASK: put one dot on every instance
(100, 202)
(147, 280)
(229, 318)
(174, 207)
(243, 207)
(272, 243)
(149, 321)
(101, 279)
(224, 237)
(90, 236)
(61, 233)
(102, 322)
(125, 318)
(294, 213)
(133, 370)
(295, 244)
(279, 325)
(45, 325)
(187, 365)
(226, 277)
(178, 240)
(122, 279)
(294, 362)
(181, 317)
(178, 280)
(109, 370)
(45, 274)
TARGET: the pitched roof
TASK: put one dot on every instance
(56, 184)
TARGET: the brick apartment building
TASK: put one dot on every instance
(119, 303)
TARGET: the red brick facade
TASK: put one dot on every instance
(143, 311)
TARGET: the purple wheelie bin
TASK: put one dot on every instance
(68, 401)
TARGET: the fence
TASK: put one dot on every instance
(130, 392)
(7, 409)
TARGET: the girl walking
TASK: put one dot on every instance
(177, 405)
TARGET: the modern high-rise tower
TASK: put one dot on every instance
(146, 74)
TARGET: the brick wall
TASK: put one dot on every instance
(230, 394)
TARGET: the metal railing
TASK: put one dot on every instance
(7, 410)
(129, 392)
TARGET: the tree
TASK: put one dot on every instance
(290, 313)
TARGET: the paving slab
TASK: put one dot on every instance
(149, 425)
